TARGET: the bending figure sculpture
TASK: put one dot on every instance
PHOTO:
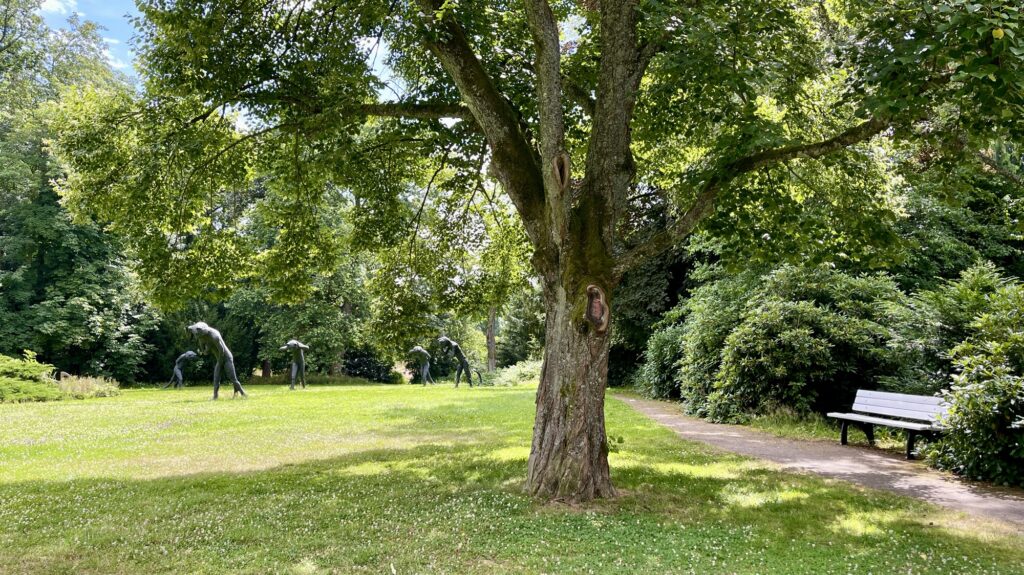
(177, 378)
(298, 350)
(452, 348)
(424, 364)
(211, 342)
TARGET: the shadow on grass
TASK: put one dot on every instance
(444, 507)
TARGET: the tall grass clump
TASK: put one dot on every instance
(85, 387)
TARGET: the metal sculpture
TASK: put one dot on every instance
(210, 341)
(452, 348)
(298, 350)
(178, 378)
(424, 364)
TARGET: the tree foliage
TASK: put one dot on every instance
(66, 290)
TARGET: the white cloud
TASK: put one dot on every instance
(112, 41)
(58, 6)
(115, 62)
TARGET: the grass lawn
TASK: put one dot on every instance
(821, 428)
(405, 479)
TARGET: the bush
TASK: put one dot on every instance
(27, 368)
(524, 372)
(985, 423)
(714, 311)
(933, 323)
(658, 377)
(85, 387)
(14, 390)
(684, 353)
(26, 380)
(808, 339)
(366, 363)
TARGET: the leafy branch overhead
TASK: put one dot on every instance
(237, 92)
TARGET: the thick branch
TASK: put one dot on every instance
(704, 203)
(993, 165)
(554, 163)
(610, 167)
(517, 165)
(547, 67)
(856, 134)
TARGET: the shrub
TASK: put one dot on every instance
(366, 363)
(84, 387)
(684, 352)
(808, 339)
(13, 390)
(658, 377)
(985, 423)
(26, 380)
(524, 372)
(713, 312)
(926, 330)
(27, 368)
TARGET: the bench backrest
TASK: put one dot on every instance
(915, 407)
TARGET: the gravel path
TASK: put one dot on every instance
(862, 465)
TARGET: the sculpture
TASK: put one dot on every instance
(449, 346)
(298, 350)
(177, 378)
(211, 342)
(424, 364)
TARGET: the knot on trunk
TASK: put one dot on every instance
(597, 308)
(562, 170)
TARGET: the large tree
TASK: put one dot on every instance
(592, 113)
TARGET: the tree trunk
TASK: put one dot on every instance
(267, 372)
(569, 455)
(492, 348)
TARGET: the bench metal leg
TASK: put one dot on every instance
(911, 438)
(842, 433)
(869, 432)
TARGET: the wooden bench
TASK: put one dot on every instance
(918, 414)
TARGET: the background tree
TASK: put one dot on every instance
(715, 107)
(66, 290)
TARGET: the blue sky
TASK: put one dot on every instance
(110, 14)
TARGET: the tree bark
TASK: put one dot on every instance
(492, 348)
(569, 454)
(267, 372)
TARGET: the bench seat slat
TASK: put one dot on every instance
(916, 407)
(887, 422)
(896, 412)
(879, 402)
(903, 397)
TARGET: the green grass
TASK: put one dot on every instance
(406, 479)
(812, 426)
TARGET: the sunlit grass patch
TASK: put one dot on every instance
(748, 497)
(363, 479)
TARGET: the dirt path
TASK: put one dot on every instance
(862, 465)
